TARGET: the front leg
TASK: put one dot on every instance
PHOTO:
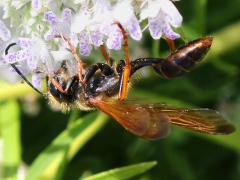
(127, 68)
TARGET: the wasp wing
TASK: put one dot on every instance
(151, 121)
(201, 120)
(140, 120)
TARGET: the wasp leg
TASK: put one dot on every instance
(80, 63)
(106, 56)
(91, 70)
(171, 44)
(64, 90)
(127, 68)
(56, 84)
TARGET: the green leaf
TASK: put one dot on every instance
(123, 172)
(71, 140)
(8, 91)
(10, 134)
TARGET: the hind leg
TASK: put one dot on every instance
(171, 44)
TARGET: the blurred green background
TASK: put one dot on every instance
(28, 125)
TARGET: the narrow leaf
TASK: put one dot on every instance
(10, 134)
(72, 140)
(123, 172)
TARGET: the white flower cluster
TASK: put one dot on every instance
(87, 24)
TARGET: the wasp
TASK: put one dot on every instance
(103, 86)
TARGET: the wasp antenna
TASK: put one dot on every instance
(21, 74)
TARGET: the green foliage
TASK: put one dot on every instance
(62, 146)
(52, 161)
(10, 135)
(123, 172)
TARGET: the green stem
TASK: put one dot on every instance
(200, 15)
(155, 48)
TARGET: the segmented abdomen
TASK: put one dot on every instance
(184, 58)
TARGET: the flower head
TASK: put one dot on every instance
(162, 15)
(123, 13)
(58, 25)
(97, 25)
(33, 54)
(32, 57)
(87, 30)
(90, 24)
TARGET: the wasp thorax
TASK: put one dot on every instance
(69, 91)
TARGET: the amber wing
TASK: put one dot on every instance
(201, 120)
(151, 121)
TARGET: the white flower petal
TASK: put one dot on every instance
(134, 28)
(79, 22)
(50, 34)
(106, 28)
(114, 40)
(61, 55)
(24, 42)
(96, 38)
(37, 81)
(2, 61)
(32, 63)
(144, 11)
(63, 29)
(169, 33)
(5, 34)
(123, 11)
(51, 17)
(67, 15)
(36, 4)
(39, 48)
(22, 55)
(150, 9)
(7, 74)
(74, 39)
(172, 12)
(84, 44)
(101, 10)
(155, 27)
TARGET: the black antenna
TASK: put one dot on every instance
(19, 72)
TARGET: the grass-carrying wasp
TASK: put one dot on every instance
(97, 85)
